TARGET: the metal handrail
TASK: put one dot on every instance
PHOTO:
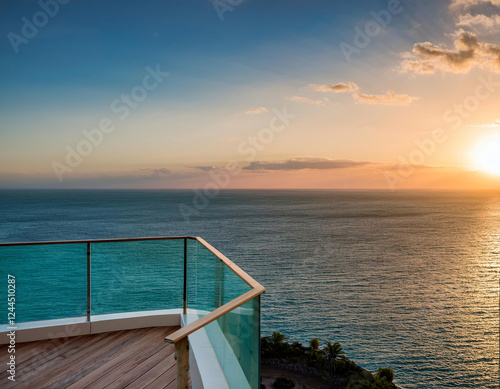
(96, 241)
(92, 241)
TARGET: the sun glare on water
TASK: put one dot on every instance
(486, 154)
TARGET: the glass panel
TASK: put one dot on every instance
(235, 339)
(137, 276)
(51, 281)
(211, 283)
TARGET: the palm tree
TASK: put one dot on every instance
(332, 352)
(275, 345)
(277, 338)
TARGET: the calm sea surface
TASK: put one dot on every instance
(407, 280)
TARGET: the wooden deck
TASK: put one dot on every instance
(123, 359)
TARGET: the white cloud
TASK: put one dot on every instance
(304, 100)
(389, 98)
(256, 111)
(481, 23)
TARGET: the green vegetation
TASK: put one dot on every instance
(329, 362)
(314, 343)
(386, 373)
(283, 383)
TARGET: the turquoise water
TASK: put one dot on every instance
(408, 280)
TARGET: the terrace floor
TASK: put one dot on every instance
(122, 359)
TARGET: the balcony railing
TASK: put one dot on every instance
(89, 281)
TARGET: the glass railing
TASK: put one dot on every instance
(137, 276)
(235, 338)
(50, 281)
(235, 335)
(84, 279)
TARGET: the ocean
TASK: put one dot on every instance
(406, 280)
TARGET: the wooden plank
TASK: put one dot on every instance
(106, 370)
(156, 371)
(171, 385)
(67, 358)
(158, 359)
(26, 372)
(115, 351)
(111, 358)
(133, 359)
(50, 348)
(182, 356)
(81, 375)
(110, 361)
(167, 378)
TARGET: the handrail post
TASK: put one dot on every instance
(182, 356)
(184, 305)
(88, 282)
(219, 283)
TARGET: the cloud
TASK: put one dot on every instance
(468, 53)
(228, 139)
(474, 5)
(206, 168)
(256, 111)
(161, 172)
(305, 163)
(389, 98)
(340, 87)
(304, 100)
(481, 23)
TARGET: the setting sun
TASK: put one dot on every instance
(486, 154)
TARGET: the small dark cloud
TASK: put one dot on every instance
(161, 172)
(305, 163)
(205, 168)
(340, 87)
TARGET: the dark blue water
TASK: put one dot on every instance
(407, 280)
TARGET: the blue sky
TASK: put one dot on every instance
(264, 54)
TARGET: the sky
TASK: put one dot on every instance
(215, 94)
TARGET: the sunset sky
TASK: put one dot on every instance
(290, 94)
